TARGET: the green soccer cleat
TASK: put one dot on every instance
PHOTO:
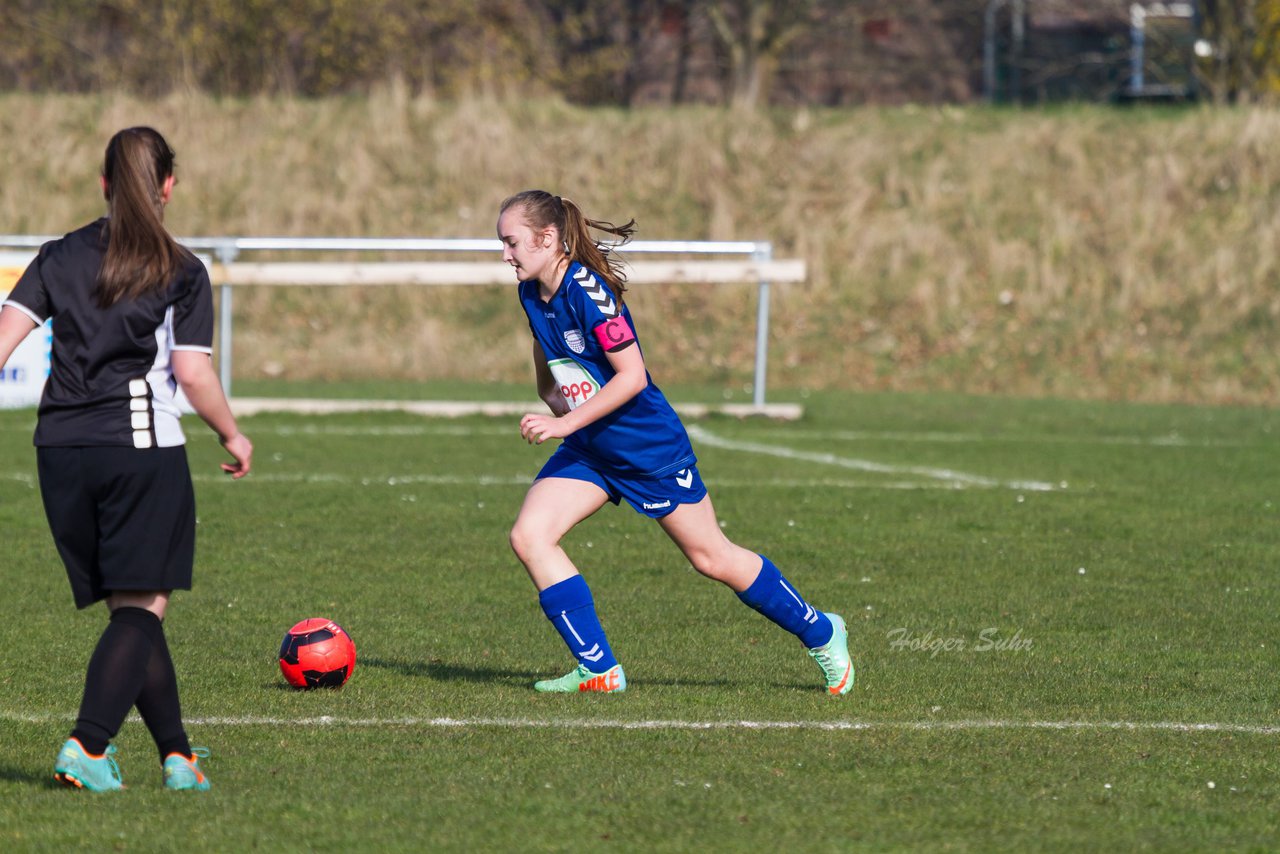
(612, 681)
(834, 659)
(182, 773)
(75, 768)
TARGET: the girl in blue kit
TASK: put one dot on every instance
(621, 440)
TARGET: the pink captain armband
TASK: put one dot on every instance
(613, 334)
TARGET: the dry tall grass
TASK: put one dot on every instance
(1084, 252)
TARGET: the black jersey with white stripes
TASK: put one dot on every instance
(111, 376)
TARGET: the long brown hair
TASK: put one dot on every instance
(542, 209)
(141, 255)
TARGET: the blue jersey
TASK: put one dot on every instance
(644, 436)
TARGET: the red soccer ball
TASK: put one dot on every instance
(317, 653)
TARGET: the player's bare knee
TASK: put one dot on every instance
(516, 539)
(526, 542)
(709, 564)
(733, 566)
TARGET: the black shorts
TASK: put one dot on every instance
(122, 518)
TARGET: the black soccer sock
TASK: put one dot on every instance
(117, 670)
(158, 702)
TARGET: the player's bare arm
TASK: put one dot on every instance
(547, 388)
(14, 326)
(628, 381)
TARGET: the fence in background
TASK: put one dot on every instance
(227, 272)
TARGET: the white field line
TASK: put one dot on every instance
(523, 481)
(956, 478)
(1170, 440)
(977, 725)
(938, 478)
(404, 430)
(388, 480)
(833, 483)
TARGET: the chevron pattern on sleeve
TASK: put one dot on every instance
(596, 290)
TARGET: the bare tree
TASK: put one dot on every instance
(675, 20)
(753, 34)
(1245, 39)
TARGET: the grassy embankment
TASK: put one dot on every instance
(1085, 252)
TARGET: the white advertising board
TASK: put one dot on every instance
(22, 378)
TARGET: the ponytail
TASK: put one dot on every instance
(541, 210)
(141, 256)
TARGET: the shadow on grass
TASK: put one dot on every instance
(728, 683)
(445, 672)
(43, 779)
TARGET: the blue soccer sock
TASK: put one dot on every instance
(570, 608)
(775, 597)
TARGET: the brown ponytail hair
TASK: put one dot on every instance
(542, 210)
(141, 255)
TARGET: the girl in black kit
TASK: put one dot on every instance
(132, 320)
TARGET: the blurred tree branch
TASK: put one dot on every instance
(753, 35)
(745, 53)
(1245, 39)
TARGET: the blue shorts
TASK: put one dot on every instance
(653, 497)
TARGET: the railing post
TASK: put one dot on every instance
(227, 253)
(763, 252)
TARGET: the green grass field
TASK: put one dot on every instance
(1063, 616)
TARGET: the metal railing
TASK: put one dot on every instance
(227, 250)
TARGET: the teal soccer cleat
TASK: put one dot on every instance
(612, 681)
(182, 773)
(834, 659)
(75, 768)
